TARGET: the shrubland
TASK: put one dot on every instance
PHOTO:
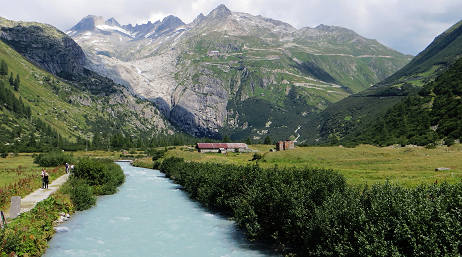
(314, 212)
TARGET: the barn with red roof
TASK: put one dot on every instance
(221, 147)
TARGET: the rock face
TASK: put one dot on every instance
(44, 45)
(59, 54)
(211, 76)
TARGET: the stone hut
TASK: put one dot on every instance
(285, 145)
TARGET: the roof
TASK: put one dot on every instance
(221, 145)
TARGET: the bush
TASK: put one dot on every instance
(312, 212)
(103, 175)
(256, 157)
(4, 155)
(81, 194)
(28, 234)
(52, 159)
(156, 154)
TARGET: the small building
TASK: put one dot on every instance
(214, 53)
(221, 147)
(285, 145)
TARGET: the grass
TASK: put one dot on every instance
(17, 176)
(364, 164)
(37, 93)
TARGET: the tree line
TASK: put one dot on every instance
(9, 101)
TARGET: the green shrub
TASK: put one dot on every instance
(4, 155)
(28, 234)
(81, 194)
(52, 159)
(156, 154)
(256, 157)
(312, 212)
(103, 175)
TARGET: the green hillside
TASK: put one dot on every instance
(61, 113)
(360, 109)
(263, 77)
(431, 117)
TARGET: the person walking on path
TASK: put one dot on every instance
(67, 168)
(43, 178)
(46, 180)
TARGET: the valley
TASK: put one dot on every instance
(203, 71)
(231, 134)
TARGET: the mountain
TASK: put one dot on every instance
(432, 116)
(232, 73)
(35, 40)
(360, 109)
(93, 23)
(65, 101)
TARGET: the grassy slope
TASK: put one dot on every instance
(255, 69)
(368, 104)
(362, 164)
(44, 102)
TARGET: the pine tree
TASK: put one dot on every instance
(3, 68)
(267, 140)
(226, 139)
(17, 82)
(248, 141)
(11, 80)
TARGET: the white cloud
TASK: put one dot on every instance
(407, 26)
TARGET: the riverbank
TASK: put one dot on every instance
(313, 212)
(151, 216)
(28, 234)
(20, 176)
(408, 166)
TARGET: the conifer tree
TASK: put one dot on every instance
(17, 82)
(248, 141)
(3, 68)
(11, 80)
(267, 140)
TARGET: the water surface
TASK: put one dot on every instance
(149, 216)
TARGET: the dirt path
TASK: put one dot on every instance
(29, 202)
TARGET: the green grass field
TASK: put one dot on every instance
(364, 164)
(19, 175)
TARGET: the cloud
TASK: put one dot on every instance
(407, 26)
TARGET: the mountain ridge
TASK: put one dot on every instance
(76, 102)
(200, 74)
(353, 112)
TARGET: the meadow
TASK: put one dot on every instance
(19, 175)
(363, 164)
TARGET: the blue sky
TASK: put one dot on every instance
(405, 25)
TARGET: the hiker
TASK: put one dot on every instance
(67, 167)
(43, 178)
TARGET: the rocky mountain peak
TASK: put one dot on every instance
(88, 23)
(327, 28)
(112, 22)
(220, 11)
(199, 18)
(172, 21)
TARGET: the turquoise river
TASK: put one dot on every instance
(149, 216)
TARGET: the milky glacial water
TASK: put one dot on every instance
(149, 216)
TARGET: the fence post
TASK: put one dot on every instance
(15, 207)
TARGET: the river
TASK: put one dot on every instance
(149, 216)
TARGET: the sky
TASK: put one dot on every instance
(404, 25)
